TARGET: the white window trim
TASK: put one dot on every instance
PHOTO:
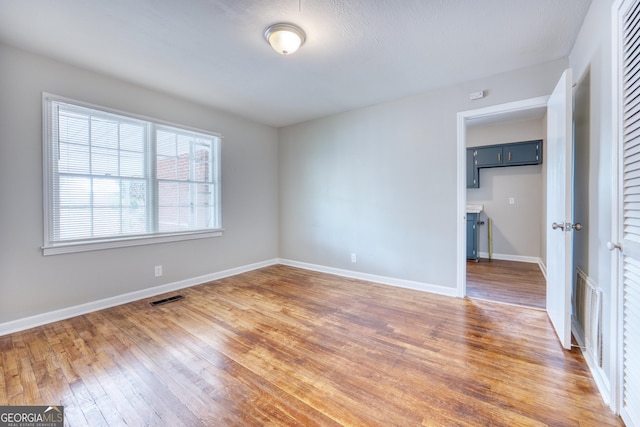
(65, 248)
(117, 242)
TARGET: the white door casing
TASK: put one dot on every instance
(560, 207)
(501, 111)
(626, 227)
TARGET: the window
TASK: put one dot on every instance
(113, 179)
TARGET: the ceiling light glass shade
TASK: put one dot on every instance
(285, 38)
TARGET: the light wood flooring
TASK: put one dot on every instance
(510, 282)
(283, 346)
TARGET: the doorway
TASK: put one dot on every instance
(507, 237)
(513, 111)
(558, 256)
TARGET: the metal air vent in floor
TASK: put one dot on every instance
(167, 300)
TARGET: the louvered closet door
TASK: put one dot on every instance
(630, 68)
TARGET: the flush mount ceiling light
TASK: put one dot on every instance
(284, 38)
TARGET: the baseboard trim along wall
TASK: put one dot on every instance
(598, 374)
(543, 268)
(506, 257)
(66, 313)
(518, 258)
(400, 283)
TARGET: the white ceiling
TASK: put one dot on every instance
(357, 53)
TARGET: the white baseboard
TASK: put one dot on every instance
(66, 313)
(401, 283)
(506, 257)
(543, 268)
(598, 374)
(518, 258)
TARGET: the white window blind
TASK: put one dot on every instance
(113, 179)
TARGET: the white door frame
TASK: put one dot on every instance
(616, 349)
(461, 210)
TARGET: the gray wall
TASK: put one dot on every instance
(33, 284)
(381, 181)
(516, 228)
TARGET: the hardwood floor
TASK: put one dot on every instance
(283, 346)
(518, 283)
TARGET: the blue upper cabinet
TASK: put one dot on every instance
(472, 170)
(489, 156)
(493, 156)
(523, 153)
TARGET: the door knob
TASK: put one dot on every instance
(566, 226)
(611, 246)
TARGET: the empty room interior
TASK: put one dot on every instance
(320, 212)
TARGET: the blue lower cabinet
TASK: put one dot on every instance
(472, 236)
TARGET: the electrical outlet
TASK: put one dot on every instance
(512, 200)
(158, 270)
(354, 257)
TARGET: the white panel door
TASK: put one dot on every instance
(629, 121)
(559, 207)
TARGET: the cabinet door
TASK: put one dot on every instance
(472, 170)
(524, 153)
(489, 156)
(472, 236)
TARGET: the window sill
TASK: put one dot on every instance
(66, 248)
